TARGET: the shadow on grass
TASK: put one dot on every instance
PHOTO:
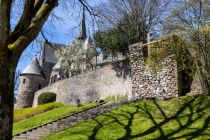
(191, 111)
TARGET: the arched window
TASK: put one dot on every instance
(24, 81)
(39, 86)
(56, 78)
(52, 80)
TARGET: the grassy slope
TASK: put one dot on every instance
(181, 118)
(24, 113)
(47, 117)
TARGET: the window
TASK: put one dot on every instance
(39, 86)
(56, 78)
(24, 81)
(145, 51)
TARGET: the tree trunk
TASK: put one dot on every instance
(204, 80)
(7, 70)
(12, 44)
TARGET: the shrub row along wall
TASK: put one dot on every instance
(110, 80)
(145, 83)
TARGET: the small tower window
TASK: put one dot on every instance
(24, 81)
(56, 78)
(39, 86)
(53, 80)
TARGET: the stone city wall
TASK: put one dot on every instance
(109, 81)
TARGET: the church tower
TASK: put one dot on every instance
(83, 34)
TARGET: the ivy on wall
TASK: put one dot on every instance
(171, 45)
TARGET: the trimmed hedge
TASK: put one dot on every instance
(48, 116)
(25, 113)
(46, 97)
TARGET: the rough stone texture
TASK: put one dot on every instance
(47, 68)
(146, 84)
(47, 53)
(110, 80)
(28, 85)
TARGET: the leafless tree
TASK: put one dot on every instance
(191, 20)
(141, 16)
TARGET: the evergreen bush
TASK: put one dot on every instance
(46, 97)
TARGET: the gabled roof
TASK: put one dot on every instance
(33, 69)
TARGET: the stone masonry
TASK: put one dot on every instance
(107, 81)
(163, 84)
(27, 90)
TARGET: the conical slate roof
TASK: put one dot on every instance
(88, 42)
(34, 69)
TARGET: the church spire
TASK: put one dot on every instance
(83, 34)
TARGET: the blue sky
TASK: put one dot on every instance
(61, 31)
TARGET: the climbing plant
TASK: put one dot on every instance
(169, 46)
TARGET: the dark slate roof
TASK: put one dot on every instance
(34, 68)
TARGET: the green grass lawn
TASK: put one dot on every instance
(47, 117)
(176, 119)
(24, 113)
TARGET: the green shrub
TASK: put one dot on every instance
(24, 113)
(171, 45)
(46, 97)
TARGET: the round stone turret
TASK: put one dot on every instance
(31, 79)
